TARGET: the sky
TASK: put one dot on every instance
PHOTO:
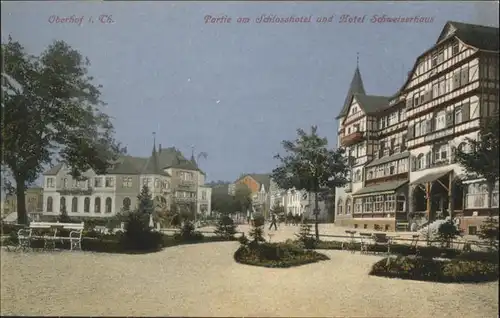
(234, 90)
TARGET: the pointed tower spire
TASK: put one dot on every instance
(154, 142)
(193, 160)
(356, 87)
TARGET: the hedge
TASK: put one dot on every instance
(428, 269)
(407, 250)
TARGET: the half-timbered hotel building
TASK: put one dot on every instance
(402, 147)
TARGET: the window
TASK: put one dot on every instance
(339, 207)
(50, 204)
(356, 128)
(126, 204)
(127, 182)
(434, 60)
(392, 169)
(440, 120)
(108, 205)
(494, 201)
(390, 203)
(420, 162)
(74, 183)
(50, 183)
(440, 57)
(380, 171)
(379, 203)
(401, 203)
(369, 204)
(418, 130)
(65, 183)
(382, 123)
(370, 174)
(365, 226)
(97, 205)
(348, 206)
(441, 153)
(358, 205)
(62, 203)
(147, 182)
(454, 48)
(157, 183)
(393, 119)
(86, 205)
(357, 176)
(458, 114)
(435, 90)
(98, 182)
(165, 185)
(110, 182)
(472, 230)
(477, 196)
(204, 195)
(74, 205)
(464, 147)
(442, 86)
(402, 167)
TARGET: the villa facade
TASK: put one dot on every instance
(402, 147)
(170, 177)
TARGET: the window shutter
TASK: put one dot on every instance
(411, 132)
(429, 125)
(465, 112)
(453, 151)
(413, 163)
(449, 119)
(428, 157)
(464, 76)
(409, 102)
(456, 80)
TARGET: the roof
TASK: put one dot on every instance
(372, 104)
(154, 164)
(382, 187)
(382, 160)
(261, 178)
(54, 170)
(430, 177)
(479, 36)
(356, 87)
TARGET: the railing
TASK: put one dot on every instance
(76, 191)
(351, 138)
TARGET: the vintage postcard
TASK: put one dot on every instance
(250, 158)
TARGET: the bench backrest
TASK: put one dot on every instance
(380, 237)
(48, 225)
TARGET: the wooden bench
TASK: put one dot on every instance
(25, 236)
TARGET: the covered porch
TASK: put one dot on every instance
(436, 195)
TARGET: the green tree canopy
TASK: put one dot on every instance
(481, 158)
(53, 113)
(309, 165)
(243, 197)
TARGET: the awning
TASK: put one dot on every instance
(431, 177)
(383, 188)
(382, 160)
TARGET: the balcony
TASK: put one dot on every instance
(186, 183)
(76, 191)
(351, 139)
(185, 199)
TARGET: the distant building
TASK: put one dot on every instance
(34, 203)
(170, 177)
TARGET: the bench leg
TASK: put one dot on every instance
(75, 245)
(49, 245)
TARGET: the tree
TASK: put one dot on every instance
(63, 217)
(489, 232)
(53, 113)
(146, 204)
(225, 227)
(222, 202)
(243, 197)
(480, 159)
(308, 165)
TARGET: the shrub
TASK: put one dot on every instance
(305, 236)
(138, 235)
(225, 227)
(243, 240)
(447, 232)
(428, 269)
(489, 232)
(188, 233)
(257, 234)
(258, 220)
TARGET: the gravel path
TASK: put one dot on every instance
(204, 280)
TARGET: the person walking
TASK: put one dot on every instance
(273, 222)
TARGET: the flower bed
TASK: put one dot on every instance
(428, 269)
(277, 255)
(407, 250)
